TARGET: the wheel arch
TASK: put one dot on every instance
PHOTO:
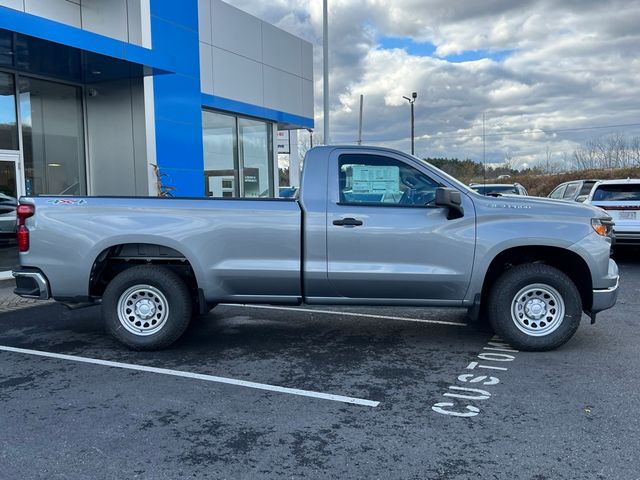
(567, 261)
(117, 257)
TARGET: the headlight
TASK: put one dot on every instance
(602, 226)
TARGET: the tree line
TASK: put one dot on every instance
(616, 151)
(613, 151)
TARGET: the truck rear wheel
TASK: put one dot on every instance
(146, 307)
(535, 307)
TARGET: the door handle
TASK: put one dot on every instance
(348, 222)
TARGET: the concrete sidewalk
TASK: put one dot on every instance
(10, 302)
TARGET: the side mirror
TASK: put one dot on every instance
(451, 199)
(582, 198)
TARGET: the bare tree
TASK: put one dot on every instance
(634, 152)
(613, 151)
(508, 161)
(549, 164)
(304, 143)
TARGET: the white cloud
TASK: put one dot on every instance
(573, 64)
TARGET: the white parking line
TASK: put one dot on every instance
(197, 376)
(350, 314)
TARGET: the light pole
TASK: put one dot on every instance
(411, 101)
(325, 69)
(310, 130)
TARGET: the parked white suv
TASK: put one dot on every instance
(621, 199)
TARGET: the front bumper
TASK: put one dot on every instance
(627, 238)
(31, 283)
(606, 297)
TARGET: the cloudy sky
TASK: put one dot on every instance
(546, 74)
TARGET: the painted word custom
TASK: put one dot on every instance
(473, 386)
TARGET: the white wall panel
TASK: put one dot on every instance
(281, 50)
(254, 62)
(307, 60)
(282, 91)
(134, 21)
(15, 4)
(59, 10)
(237, 77)
(206, 68)
(116, 139)
(236, 31)
(307, 98)
(106, 17)
(204, 20)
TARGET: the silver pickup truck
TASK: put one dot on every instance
(371, 226)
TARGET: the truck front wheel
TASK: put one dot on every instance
(146, 307)
(535, 307)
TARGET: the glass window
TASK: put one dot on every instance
(571, 190)
(586, 187)
(558, 192)
(374, 179)
(238, 156)
(8, 122)
(53, 138)
(255, 154)
(625, 192)
(220, 164)
(8, 203)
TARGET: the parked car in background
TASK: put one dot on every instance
(7, 218)
(496, 189)
(621, 200)
(287, 192)
(577, 190)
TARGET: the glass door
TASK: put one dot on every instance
(52, 137)
(10, 191)
(10, 180)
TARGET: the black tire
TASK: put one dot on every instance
(170, 308)
(524, 329)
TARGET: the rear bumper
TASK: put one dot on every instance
(606, 297)
(31, 283)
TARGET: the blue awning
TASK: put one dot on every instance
(36, 45)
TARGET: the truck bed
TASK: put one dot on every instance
(226, 241)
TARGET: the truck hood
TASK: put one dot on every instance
(540, 206)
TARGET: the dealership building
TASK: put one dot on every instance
(93, 93)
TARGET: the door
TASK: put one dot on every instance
(386, 239)
(9, 194)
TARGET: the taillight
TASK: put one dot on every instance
(22, 233)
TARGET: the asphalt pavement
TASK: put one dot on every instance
(278, 393)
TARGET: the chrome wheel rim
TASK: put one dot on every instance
(143, 310)
(537, 310)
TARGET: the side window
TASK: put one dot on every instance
(586, 188)
(571, 191)
(558, 192)
(374, 179)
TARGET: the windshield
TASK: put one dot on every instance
(617, 193)
(453, 180)
(495, 189)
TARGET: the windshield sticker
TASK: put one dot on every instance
(67, 201)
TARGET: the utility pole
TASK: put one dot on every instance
(411, 101)
(325, 67)
(360, 122)
(484, 153)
